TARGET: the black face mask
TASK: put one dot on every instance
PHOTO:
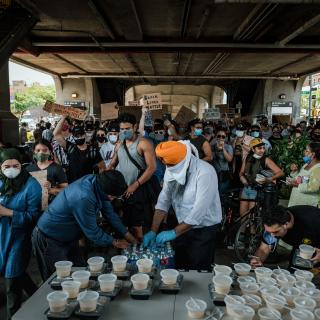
(208, 130)
(80, 141)
(101, 139)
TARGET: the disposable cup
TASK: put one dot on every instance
(290, 293)
(267, 281)
(169, 276)
(119, 263)
(317, 313)
(242, 269)
(304, 303)
(222, 284)
(279, 271)
(263, 272)
(82, 276)
(231, 301)
(88, 300)
(275, 301)
(312, 293)
(269, 290)
(286, 280)
(71, 287)
(306, 251)
(145, 265)
(242, 312)
(107, 282)
(249, 288)
(196, 308)
(95, 264)
(63, 268)
(253, 301)
(303, 285)
(222, 270)
(245, 279)
(301, 314)
(269, 314)
(140, 281)
(303, 275)
(57, 301)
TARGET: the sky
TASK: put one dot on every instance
(18, 72)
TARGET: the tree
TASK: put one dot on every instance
(34, 96)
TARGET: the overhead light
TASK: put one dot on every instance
(74, 95)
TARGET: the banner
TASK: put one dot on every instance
(109, 111)
(73, 113)
(41, 177)
(152, 101)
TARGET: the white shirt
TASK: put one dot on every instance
(107, 152)
(197, 202)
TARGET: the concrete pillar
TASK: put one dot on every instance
(9, 125)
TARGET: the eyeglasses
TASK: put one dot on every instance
(221, 136)
(159, 132)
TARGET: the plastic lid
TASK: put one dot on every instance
(278, 271)
(242, 266)
(201, 305)
(81, 274)
(140, 277)
(233, 299)
(312, 293)
(268, 281)
(243, 310)
(64, 263)
(169, 273)
(304, 302)
(71, 283)
(252, 299)
(145, 261)
(291, 291)
(270, 313)
(95, 260)
(119, 259)
(301, 314)
(88, 295)
(275, 299)
(303, 274)
(306, 248)
(243, 279)
(222, 280)
(249, 286)
(222, 269)
(57, 295)
(304, 285)
(107, 277)
(269, 290)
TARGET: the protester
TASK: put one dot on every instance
(107, 148)
(37, 132)
(47, 134)
(315, 134)
(188, 182)
(266, 131)
(276, 135)
(295, 226)
(73, 212)
(23, 133)
(20, 202)
(306, 185)
(255, 132)
(43, 156)
(209, 132)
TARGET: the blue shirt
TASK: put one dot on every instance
(74, 211)
(15, 231)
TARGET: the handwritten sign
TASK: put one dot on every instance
(109, 111)
(135, 103)
(152, 101)
(211, 114)
(184, 116)
(41, 177)
(73, 113)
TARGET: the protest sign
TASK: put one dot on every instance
(73, 113)
(135, 103)
(211, 114)
(152, 101)
(41, 177)
(109, 111)
(184, 116)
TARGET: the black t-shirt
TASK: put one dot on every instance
(305, 230)
(55, 173)
(198, 143)
(81, 162)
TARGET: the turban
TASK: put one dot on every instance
(171, 152)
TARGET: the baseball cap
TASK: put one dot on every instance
(256, 142)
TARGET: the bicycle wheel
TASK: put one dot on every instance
(248, 238)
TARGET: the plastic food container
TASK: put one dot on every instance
(169, 276)
(269, 290)
(275, 302)
(107, 282)
(222, 270)
(301, 314)
(306, 251)
(249, 288)
(242, 269)
(252, 301)
(144, 265)
(57, 301)
(312, 293)
(231, 301)
(269, 314)
(279, 271)
(263, 272)
(71, 287)
(303, 285)
(83, 277)
(222, 284)
(245, 279)
(286, 280)
(290, 293)
(304, 303)
(303, 275)
(95, 264)
(119, 263)
(196, 311)
(140, 281)
(63, 268)
(317, 313)
(267, 282)
(88, 300)
(242, 312)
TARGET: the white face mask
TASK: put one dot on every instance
(11, 173)
(113, 139)
(239, 133)
(257, 156)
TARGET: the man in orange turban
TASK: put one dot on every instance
(171, 153)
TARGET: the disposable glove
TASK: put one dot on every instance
(166, 236)
(149, 238)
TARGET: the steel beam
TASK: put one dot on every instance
(307, 57)
(69, 62)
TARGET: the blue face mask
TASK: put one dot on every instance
(255, 134)
(198, 132)
(126, 135)
(306, 159)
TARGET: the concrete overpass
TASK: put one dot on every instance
(254, 50)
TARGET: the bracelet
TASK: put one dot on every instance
(139, 183)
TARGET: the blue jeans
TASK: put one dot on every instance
(248, 193)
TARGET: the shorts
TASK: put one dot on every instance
(248, 193)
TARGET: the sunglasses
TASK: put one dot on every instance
(99, 135)
(221, 136)
(159, 132)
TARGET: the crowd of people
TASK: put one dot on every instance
(157, 183)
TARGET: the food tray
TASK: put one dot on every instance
(66, 314)
(55, 282)
(101, 305)
(171, 288)
(114, 293)
(297, 261)
(142, 294)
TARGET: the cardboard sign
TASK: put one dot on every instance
(109, 111)
(152, 101)
(136, 111)
(135, 103)
(41, 177)
(73, 113)
(211, 114)
(184, 116)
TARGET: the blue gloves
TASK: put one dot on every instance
(149, 238)
(166, 236)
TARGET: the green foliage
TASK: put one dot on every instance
(34, 96)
